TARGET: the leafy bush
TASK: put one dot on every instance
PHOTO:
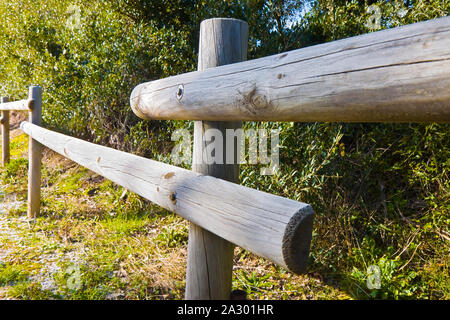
(87, 68)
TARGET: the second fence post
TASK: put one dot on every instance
(210, 258)
(34, 155)
(5, 134)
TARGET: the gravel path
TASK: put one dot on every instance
(15, 232)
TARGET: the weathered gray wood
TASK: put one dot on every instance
(210, 257)
(5, 133)
(34, 155)
(395, 75)
(21, 105)
(270, 226)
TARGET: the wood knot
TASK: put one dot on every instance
(260, 102)
(173, 197)
(180, 92)
(169, 175)
(253, 101)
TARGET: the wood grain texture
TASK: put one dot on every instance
(20, 105)
(5, 133)
(34, 155)
(210, 257)
(395, 75)
(270, 226)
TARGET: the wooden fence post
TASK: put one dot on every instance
(210, 258)
(34, 155)
(5, 133)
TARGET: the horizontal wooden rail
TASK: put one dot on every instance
(395, 75)
(272, 227)
(21, 105)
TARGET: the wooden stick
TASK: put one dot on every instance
(34, 155)
(5, 133)
(21, 105)
(210, 257)
(270, 226)
(395, 75)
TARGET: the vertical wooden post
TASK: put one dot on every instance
(210, 258)
(5, 134)
(34, 155)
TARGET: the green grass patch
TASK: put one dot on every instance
(125, 225)
(18, 146)
(11, 274)
(31, 291)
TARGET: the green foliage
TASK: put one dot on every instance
(125, 225)
(254, 282)
(172, 237)
(88, 69)
(31, 291)
(15, 170)
(11, 274)
(79, 282)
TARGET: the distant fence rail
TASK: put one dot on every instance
(34, 105)
(5, 108)
(401, 74)
(21, 105)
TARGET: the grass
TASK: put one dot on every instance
(11, 274)
(94, 241)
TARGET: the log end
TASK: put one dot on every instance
(297, 240)
(30, 104)
(135, 100)
(22, 125)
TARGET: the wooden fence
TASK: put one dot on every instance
(34, 107)
(402, 74)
